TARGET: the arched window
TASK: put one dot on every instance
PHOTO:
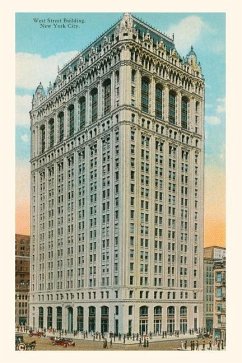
(157, 319)
(117, 77)
(170, 320)
(61, 126)
(82, 105)
(158, 101)
(143, 320)
(41, 318)
(71, 120)
(59, 318)
(42, 138)
(145, 95)
(183, 319)
(107, 96)
(70, 319)
(172, 107)
(49, 317)
(80, 317)
(133, 75)
(104, 319)
(94, 104)
(92, 319)
(51, 132)
(184, 112)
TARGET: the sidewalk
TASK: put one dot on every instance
(155, 338)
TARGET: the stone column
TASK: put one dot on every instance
(150, 318)
(191, 114)
(138, 89)
(55, 128)
(113, 97)
(74, 318)
(177, 318)
(54, 315)
(64, 317)
(88, 108)
(85, 317)
(98, 318)
(136, 318)
(164, 318)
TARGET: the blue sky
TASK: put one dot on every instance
(39, 52)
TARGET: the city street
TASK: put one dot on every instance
(89, 344)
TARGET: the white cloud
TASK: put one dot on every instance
(218, 47)
(187, 32)
(31, 69)
(218, 117)
(213, 120)
(220, 105)
(22, 108)
(25, 138)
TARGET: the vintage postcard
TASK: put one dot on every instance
(120, 178)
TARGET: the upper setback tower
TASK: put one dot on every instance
(117, 188)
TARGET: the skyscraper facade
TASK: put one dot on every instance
(117, 188)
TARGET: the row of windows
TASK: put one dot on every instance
(172, 103)
(82, 115)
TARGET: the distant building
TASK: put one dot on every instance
(211, 255)
(219, 311)
(22, 258)
(215, 252)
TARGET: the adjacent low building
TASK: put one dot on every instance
(212, 255)
(219, 311)
(22, 258)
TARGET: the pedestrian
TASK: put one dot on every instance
(222, 344)
(140, 342)
(147, 342)
(124, 339)
(219, 345)
(185, 344)
(144, 343)
(203, 344)
(197, 345)
(111, 343)
(105, 344)
(210, 344)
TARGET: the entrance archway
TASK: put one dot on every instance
(49, 317)
(143, 320)
(104, 319)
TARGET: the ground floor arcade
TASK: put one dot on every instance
(117, 318)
